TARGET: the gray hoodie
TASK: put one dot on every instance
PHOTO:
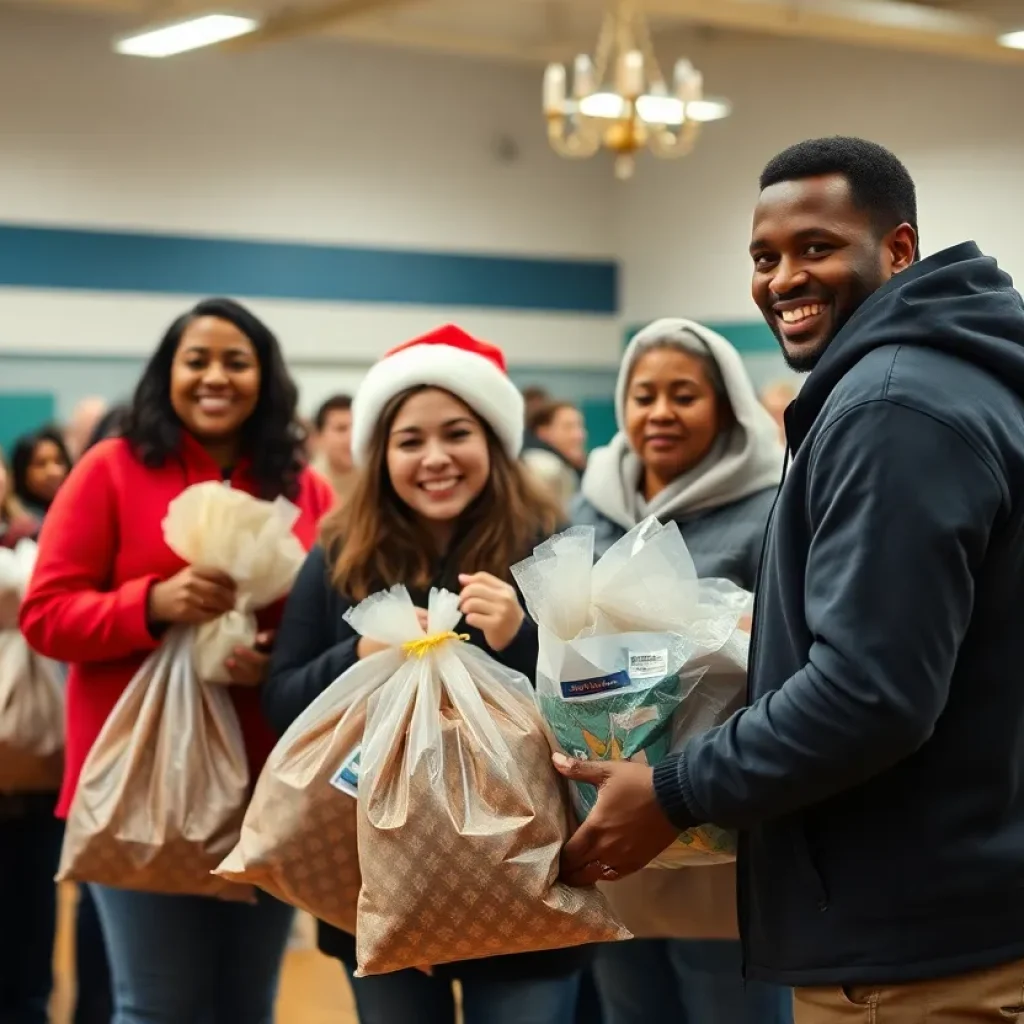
(722, 504)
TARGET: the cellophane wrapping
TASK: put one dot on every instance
(637, 655)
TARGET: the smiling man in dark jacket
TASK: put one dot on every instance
(877, 776)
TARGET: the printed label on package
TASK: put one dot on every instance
(648, 664)
(346, 779)
(595, 687)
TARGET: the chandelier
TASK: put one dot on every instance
(621, 100)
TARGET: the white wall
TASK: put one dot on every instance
(684, 228)
(310, 142)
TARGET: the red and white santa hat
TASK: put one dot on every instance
(474, 371)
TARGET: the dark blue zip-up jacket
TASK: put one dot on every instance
(878, 774)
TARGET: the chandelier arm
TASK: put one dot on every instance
(605, 48)
(645, 44)
(669, 144)
(577, 143)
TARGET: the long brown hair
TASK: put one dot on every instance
(376, 542)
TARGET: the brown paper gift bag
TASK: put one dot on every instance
(31, 694)
(298, 840)
(31, 718)
(163, 791)
(462, 817)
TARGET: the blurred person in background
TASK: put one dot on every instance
(16, 522)
(39, 465)
(30, 840)
(110, 424)
(696, 447)
(534, 396)
(443, 501)
(776, 398)
(333, 438)
(214, 403)
(555, 449)
(81, 424)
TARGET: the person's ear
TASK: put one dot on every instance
(901, 247)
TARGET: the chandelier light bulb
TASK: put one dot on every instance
(554, 89)
(584, 83)
(631, 74)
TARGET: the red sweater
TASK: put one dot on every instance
(100, 550)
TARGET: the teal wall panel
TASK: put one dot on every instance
(599, 414)
(22, 411)
(747, 336)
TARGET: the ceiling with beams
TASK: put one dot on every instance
(540, 30)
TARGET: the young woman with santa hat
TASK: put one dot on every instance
(441, 501)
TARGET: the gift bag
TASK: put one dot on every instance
(31, 695)
(298, 839)
(162, 794)
(212, 525)
(461, 815)
(636, 656)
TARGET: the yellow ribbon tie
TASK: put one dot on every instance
(422, 647)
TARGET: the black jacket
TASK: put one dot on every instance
(314, 646)
(878, 774)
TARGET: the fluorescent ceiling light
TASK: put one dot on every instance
(665, 110)
(1012, 40)
(186, 35)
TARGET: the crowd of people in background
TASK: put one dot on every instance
(682, 391)
(862, 880)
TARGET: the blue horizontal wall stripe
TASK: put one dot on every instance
(65, 258)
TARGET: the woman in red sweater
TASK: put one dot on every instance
(214, 403)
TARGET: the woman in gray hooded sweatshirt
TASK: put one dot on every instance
(694, 446)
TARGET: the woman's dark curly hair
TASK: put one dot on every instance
(269, 437)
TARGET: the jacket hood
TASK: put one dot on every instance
(957, 301)
(745, 459)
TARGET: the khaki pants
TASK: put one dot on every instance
(995, 995)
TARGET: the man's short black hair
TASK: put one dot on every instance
(879, 183)
(336, 403)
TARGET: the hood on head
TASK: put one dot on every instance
(750, 415)
(749, 462)
(957, 301)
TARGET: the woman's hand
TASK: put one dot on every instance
(194, 596)
(366, 647)
(248, 666)
(491, 606)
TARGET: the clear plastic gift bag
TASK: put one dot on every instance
(636, 656)
(31, 694)
(461, 815)
(212, 525)
(298, 840)
(162, 793)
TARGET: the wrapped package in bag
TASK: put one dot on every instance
(636, 656)
(162, 793)
(461, 815)
(251, 540)
(298, 840)
(31, 695)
